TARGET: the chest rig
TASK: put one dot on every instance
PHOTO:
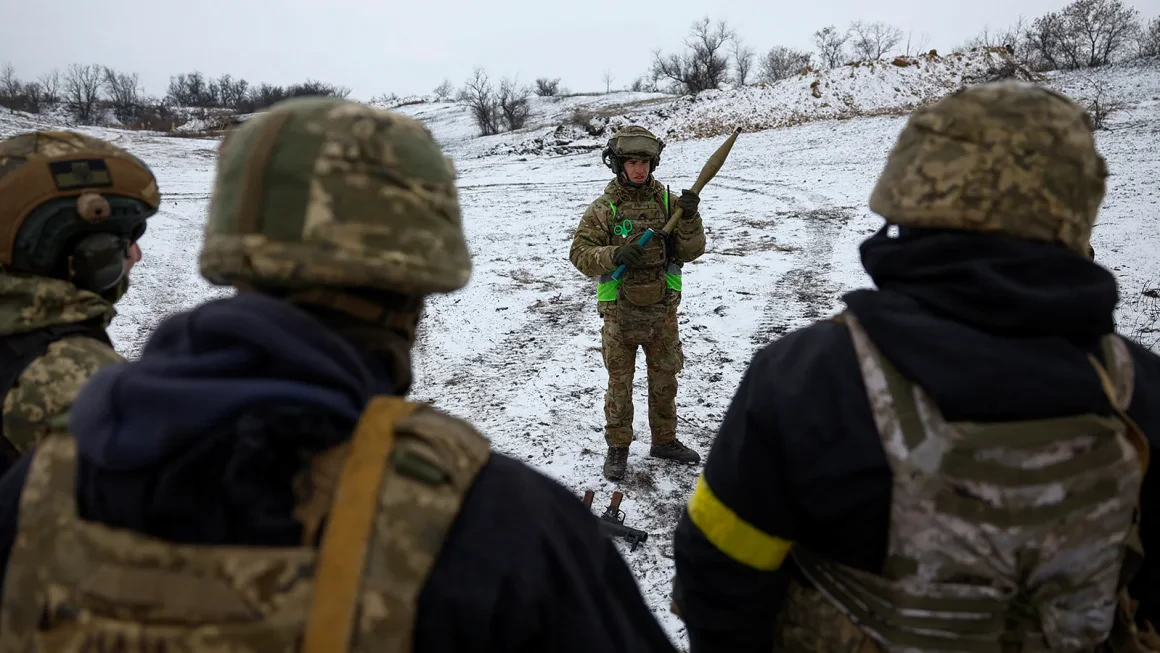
(1004, 536)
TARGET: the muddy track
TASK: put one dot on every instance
(805, 293)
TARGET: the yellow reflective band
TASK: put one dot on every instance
(732, 535)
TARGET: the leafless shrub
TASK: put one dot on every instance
(1084, 34)
(479, 96)
(782, 63)
(548, 87)
(742, 62)
(703, 65)
(873, 40)
(1140, 317)
(82, 90)
(444, 91)
(513, 104)
(831, 46)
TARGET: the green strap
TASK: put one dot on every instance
(613, 207)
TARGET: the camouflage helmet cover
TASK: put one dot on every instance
(56, 186)
(633, 141)
(1007, 157)
(319, 192)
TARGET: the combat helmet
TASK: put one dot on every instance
(632, 141)
(322, 192)
(70, 206)
(1005, 157)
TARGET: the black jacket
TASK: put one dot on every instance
(524, 568)
(993, 328)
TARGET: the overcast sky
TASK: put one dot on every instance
(409, 46)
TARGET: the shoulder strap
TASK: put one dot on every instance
(17, 351)
(892, 398)
(343, 555)
(1118, 383)
(611, 206)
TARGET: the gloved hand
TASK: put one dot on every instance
(688, 201)
(630, 254)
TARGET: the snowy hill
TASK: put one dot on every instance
(518, 350)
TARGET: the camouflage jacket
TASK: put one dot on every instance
(592, 246)
(40, 399)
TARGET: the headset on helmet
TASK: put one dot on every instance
(632, 142)
(72, 206)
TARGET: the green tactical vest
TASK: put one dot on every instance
(75, 585)
(1005, 536)
(644, 285)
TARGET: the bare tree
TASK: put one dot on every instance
(548, 87)
(915, 47)
(444, 91)
(513, 104)
(1084, 34)
(479, 96)
(703, 65)
(34, 96)
(1101, 103)
(873, 40)
(742, 61)
(50, 87)
(831, 46)
(1149, 40)
(82, 89)
(782, 63)
(608, 80)
(124, 93)
(11, 87)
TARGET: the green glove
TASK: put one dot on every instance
(630, 254)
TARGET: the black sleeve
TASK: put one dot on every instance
(11, 488)
(526, 568)
(728, 604)
(797, 462)
(1145, 411)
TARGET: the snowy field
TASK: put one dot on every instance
(517, 351)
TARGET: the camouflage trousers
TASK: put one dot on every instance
(663, 359)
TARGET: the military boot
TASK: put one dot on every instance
(674, 450)
(615, 463)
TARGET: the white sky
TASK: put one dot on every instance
(408, 47)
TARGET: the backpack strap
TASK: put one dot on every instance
(403, 483)
(1117, 378)
(330, 624)
(18, 350)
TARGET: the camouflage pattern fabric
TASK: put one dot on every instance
(1007, 157)
(101, 588)
(1001, 534)
(41, 166)
(40, 400)
(595, 239)
(664, 359)
(643, 309)
(322, 192)
(809, 623)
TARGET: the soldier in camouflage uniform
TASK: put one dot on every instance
(640, 309)
(255, 482)
(958, 461)
(71, 210)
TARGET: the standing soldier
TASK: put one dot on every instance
(959, 462)
(256, 482)
(71, 210)
(640, 309)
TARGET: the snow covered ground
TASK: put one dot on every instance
(517, 351)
